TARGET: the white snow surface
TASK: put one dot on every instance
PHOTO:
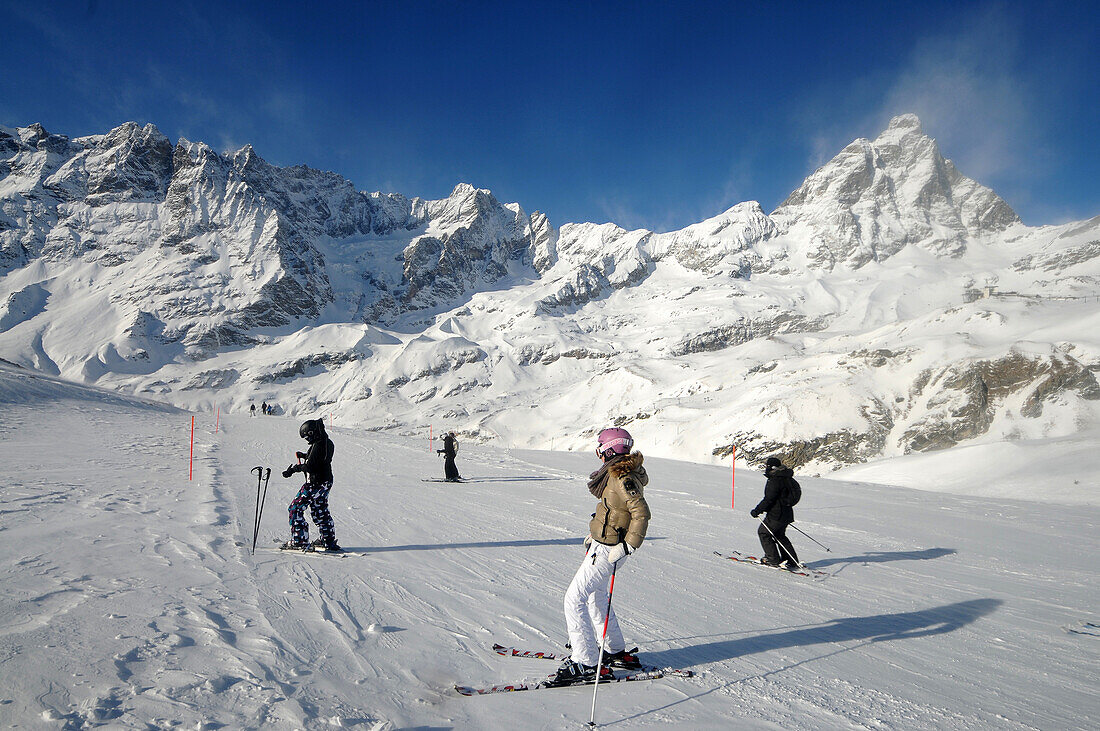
(132, 598)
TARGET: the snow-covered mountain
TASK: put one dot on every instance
(890, 305)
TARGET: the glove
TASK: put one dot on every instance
(288, 471)
(300, 455)
(587, 543)
(618, 552)
(754, 512)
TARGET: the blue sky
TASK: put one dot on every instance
(648, 114)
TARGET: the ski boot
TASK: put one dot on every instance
(573, 673)
(625, 659)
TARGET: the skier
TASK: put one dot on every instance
(314, 493)
(252, 410)
(617, 529)
(773, 529)
(450, 449)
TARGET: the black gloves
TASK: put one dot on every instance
(300, 455)
(289, 471)
(754, 512)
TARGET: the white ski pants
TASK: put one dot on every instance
(586, 608)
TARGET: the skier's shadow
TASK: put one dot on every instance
(514, 479)
(875, 628)
(887, 556)
(477, 544)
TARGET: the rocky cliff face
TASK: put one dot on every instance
(202, 277)
(215, 247)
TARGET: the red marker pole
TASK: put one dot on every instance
(733, 471)
(217, 419)
(191, 462)
(430, 437)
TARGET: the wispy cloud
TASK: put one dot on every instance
(966, 84)
(965, 88)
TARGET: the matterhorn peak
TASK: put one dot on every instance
(875, 198)
(906, 121)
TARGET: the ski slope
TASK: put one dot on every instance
(132, 600)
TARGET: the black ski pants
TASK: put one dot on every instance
(773, 538)
(450, 469)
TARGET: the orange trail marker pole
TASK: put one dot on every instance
(733, 474)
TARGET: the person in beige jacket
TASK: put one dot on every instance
(617, 530)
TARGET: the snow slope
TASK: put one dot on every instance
(132, 599)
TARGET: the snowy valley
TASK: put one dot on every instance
(134, 599)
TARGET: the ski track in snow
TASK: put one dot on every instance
(133, 599)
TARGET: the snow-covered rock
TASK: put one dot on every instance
(890, 305)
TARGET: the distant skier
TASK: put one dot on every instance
(263, 408)
(450, 449)
(252, 410)
(314, 493)
(773, 529)
(616, 530)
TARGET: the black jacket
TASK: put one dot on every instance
(450, 447)
(318, 464)
(773, 491)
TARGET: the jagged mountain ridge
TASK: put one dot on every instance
(222, 278)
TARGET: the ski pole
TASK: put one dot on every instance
(260, 476)
(256, 516)
(260, 515)
(603, 640)
(780, 546)
(810, 537)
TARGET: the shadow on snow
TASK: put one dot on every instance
(861, 630)
(885, 557)
(874, 628)
(476, 544)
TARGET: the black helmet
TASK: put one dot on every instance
(773, 462)
(311, 430)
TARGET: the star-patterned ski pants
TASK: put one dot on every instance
(315, 497)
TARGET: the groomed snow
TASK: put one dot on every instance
(131, 598)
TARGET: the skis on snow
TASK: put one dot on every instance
(619, 675)
(281, 545)
(744, 558)
(529, 654)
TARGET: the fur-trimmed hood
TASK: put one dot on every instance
(628, 463)
(619, 467)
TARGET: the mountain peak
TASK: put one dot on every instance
(906, 121)
(875, 198)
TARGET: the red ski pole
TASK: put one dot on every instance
(603, 641)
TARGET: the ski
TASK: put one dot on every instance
(531, 654)
(543, 655)
(437, 479)
(285, 546)
(1084, 628)
(545, 684)
(744, 558)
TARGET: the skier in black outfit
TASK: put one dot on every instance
(314, 493)
(450, 449)
(773, 529)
